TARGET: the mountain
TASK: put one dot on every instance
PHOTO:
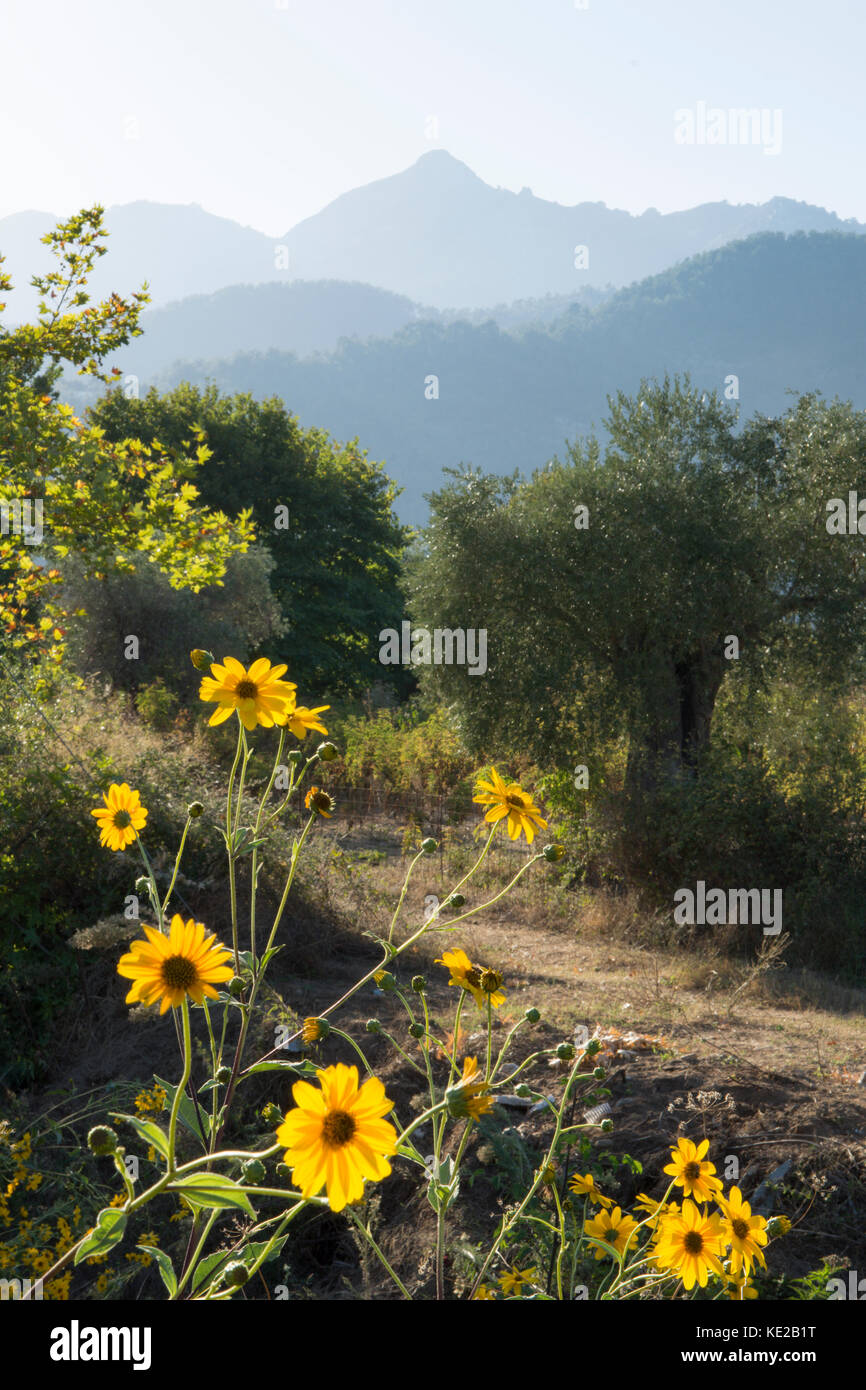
(776, 312)
(434, 233)
(439, 234)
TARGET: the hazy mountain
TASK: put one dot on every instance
(435, 233)
(777, 312)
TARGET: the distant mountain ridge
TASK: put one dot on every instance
(434, 233)
(777, 313)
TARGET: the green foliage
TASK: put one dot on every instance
(109, 505)
(322, 509)
(404, 750)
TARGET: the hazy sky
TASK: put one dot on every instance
(265, 110)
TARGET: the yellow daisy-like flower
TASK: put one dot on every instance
(319, 801)
(258, 694)
(484, 1292)
(121, 817)
(740, 1288)
(692, 1171)
(614, 1227)
(302, 720)
(168, 968)
(480, 983)
(513, 1281)
(585, 1187)
(691, 1244)
(315, 1029)
(337, 1137)
(509, 800)
(744, 1232)
(468, 1097)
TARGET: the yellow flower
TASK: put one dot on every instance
(315, 1029)
(691, 1244)
(514, 1280)
(692, 1172)
(337, 1137)
(120, 818)
(258, 694)
(511, 801)
(318, 800)
(168, 968)
(613, 1227)
(744, 1232)
(301, 720)
(469, 1097)
(484, 1291)
(585, 1187)
(481, 984)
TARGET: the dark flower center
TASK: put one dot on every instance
(338, 1128)
(178, 972)
(122, 819)
(740, 1228)
(246, 690)
(693, 1242)
(692, 1171)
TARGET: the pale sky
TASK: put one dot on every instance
(265, 110)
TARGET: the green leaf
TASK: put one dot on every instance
(187, 1113)
(212, 1190)
(305, 1068)
(147, 1130)
(166, 1267)
(109, 1229)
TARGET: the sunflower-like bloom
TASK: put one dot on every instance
(693, 1173)
(585, 1187)
(166, 969)
(121, 817)
(320, 802)
(513, 1281)
(691, 1244)
(468, 1097)
(614, 1227)
(744, 1232)
(315, 1029)
(301, 720)
(258, 694)
(512, 801)
(482, 984)
(337, 1138)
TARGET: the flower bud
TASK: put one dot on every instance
(778, 1226)
(599, 1073)
(272, 1114)
(102, 1140)
(523, 1091)
(283, 1170)
(142, 884)
(194, 810)
(416, 1030)
(532, 1016)
(553, 852)
(429, 846)
(253, 1171)
(373, 1025)
(315, 1029)
(565, 1051)
(328, 752)
(385, 980)
(295, 756)
(606, 1126)
(236, 986)
(419, 984)
(490, 981)
(455, 901)
(235, 1274)
(201, 660)
(223, 1075)
(592, 1047)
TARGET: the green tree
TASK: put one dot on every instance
(324, 510)
(695, 534)
(65, 488)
